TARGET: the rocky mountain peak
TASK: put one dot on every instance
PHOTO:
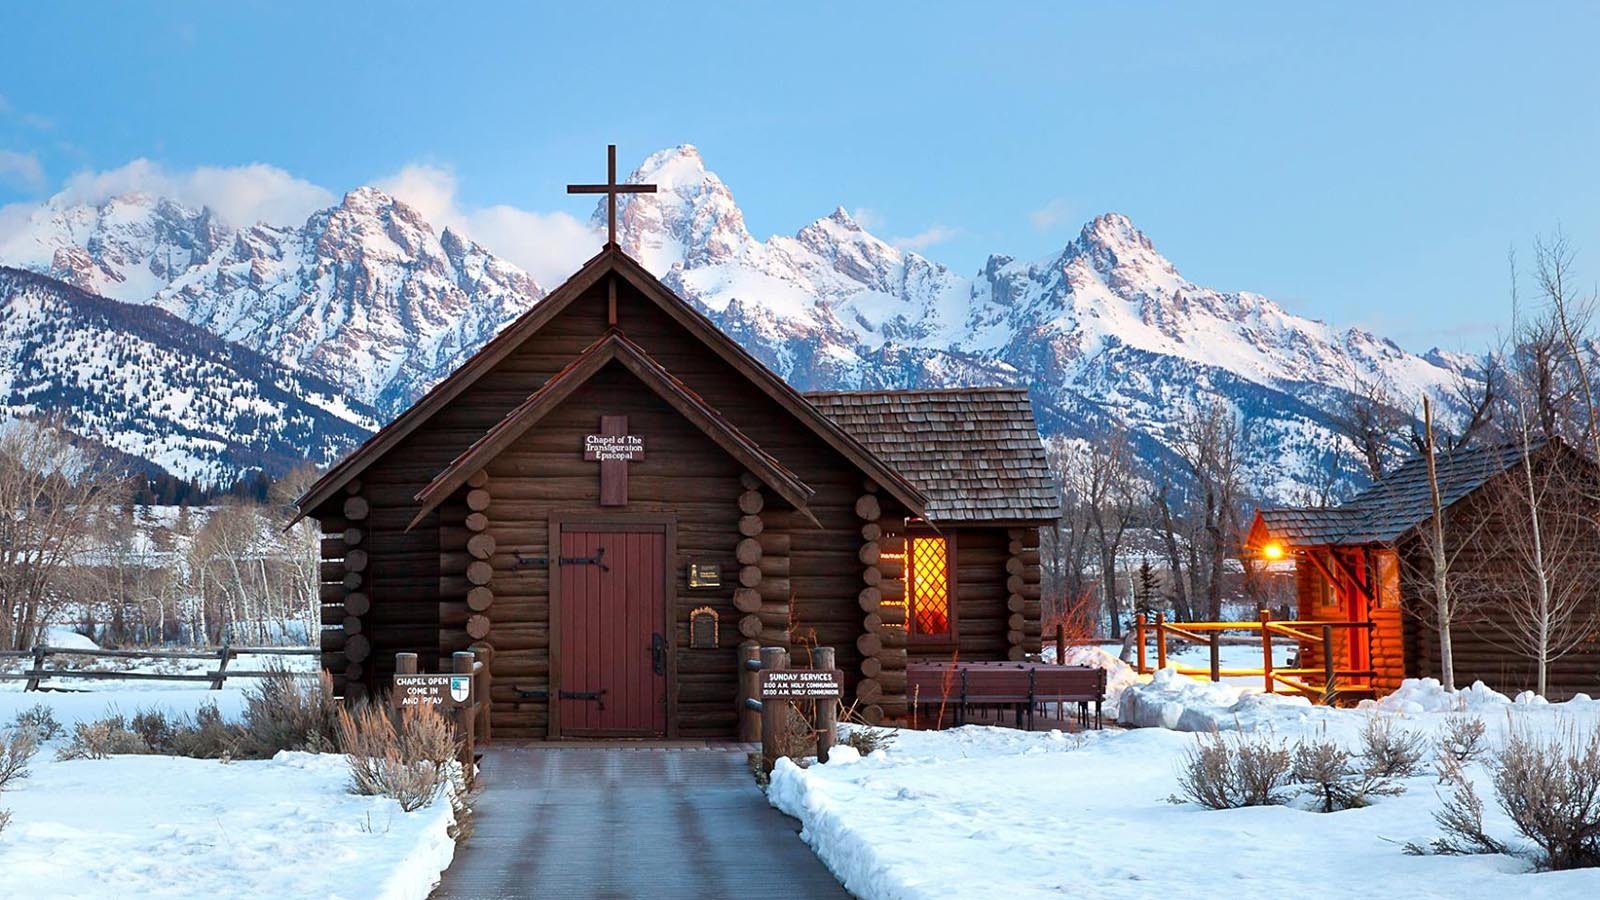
(691, 220)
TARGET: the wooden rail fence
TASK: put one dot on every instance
(43, 654)
(1324, 683)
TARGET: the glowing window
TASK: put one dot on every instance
(928, 587)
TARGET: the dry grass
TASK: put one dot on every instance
(408, 756)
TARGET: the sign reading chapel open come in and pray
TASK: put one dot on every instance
(613, 448)
(444, 691)
(802, 684)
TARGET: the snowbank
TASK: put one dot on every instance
(1119, 675)
(151, 826)
(985, 812)
(1181, 703)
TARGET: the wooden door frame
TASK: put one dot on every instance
(586, 520)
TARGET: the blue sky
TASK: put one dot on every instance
(1359, 163)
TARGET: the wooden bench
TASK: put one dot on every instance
(1024, 686)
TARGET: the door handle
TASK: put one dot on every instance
(658, 654)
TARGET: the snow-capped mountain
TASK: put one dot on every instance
(152, 386)
(364, 295)
(1106, 332)
(368, 296)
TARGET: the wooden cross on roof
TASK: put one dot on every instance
(611, 189)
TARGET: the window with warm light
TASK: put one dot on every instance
(929, 615)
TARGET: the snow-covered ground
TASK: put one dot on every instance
(987, 812)
(162, 826)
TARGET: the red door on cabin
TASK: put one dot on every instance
(611, 617)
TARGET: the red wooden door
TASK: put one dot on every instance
(611, 609)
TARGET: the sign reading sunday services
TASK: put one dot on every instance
(801, 684)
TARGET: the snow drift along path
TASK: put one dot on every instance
(161, 826)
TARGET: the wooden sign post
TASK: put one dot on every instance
(451, 694)
(613, 448)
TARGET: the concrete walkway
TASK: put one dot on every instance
(625, 822)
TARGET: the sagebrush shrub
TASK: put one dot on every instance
(408, 756)
(1391, 752)
(1460, 817)
(102, 738)
(288, 711)
(39, 719)
(206, 735)
(17, 747)
(1549, 784)
(1462, 740)
(1223, 772)
(155, 729)
(1334, 778)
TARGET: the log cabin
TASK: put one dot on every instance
(1368, 562)
(612, 496)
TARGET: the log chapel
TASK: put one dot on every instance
(612, 495)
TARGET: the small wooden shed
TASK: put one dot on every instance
(1368, 562)
(612, 495)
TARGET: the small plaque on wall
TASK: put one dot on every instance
(704, 574)
(703, 629)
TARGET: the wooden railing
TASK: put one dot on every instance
(1324, 683)
(223, 655)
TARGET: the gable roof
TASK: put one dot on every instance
(613, 347)
(975, 452)
(1402, 501)
(609, 259)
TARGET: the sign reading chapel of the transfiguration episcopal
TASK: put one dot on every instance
(613, 448)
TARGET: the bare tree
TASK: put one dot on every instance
(1542, 574)
(1211, 444)
(54, 499)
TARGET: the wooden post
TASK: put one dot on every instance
(774, 713)
(1161, 641)
(1266, 649)
(483, 683)
(749, 680)
(223, 655)
(1138, 627)
(1216, 656)
(405, 664)
(1327, 665)
(37, 673)
(1061, 643)
(827, 721)
(461, 663)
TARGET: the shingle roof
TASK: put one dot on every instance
(974, 452)
(1398, 503)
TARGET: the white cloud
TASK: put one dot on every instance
(936, 234)
(240, 195)
(21, 170)
(1048, 215)
(548, 246)
(867, 218)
